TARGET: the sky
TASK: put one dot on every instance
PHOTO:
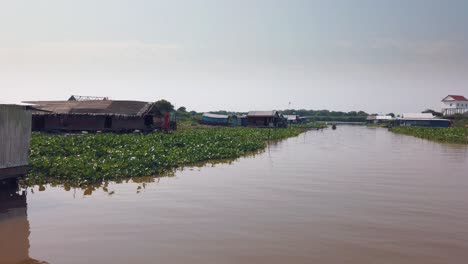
(379, 56)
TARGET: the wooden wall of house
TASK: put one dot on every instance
(87, 123)
(272, 121)
(69, 122)
(15, 136)
(128, 122)
(260, 121)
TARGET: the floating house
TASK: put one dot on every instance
(296, 119)
(93, 115)
(303, 119)
(292, 119)
(421, 119)
(379, 119)
(234, 120)
(454, 104)
(223, 120)
(15, 136)
(266, 119)
(436, 122)
(214, 119)
(242, 120)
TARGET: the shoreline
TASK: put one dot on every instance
(86, 159)
(453, 135)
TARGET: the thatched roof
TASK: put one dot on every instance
(98, 107)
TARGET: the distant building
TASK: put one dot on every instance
(15, 136)
(421, 119)
(303, 119)
(377, 119)
(454, 104)
(266, 119)
(215, 119)
(92, 114)
(292, 119)
(242, 120)
(423, 122)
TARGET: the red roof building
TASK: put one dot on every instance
(454, 104)
(455, 98)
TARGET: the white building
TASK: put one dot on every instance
(454, 104)
(377, 119)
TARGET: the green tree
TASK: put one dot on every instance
(182, 109)
(164, 106)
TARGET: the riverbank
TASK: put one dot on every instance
(85, 159)
(446, 135)
(377, 125)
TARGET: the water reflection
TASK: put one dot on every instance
(142, 182)
(14, 225)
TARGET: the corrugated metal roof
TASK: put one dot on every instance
(215, 115)
(418, 115)
(93, 107)
(262, 113)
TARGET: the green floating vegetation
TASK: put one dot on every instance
(85, 159)
(448, 135)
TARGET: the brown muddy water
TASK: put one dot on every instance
(354, 195)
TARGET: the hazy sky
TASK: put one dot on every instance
(372, 55)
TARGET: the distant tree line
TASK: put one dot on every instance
(327, 115)
(313, 115)
(310, 113)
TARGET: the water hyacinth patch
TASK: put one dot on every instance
(84, 159)
(449, 135)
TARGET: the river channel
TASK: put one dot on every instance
(351, 195)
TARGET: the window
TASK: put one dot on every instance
(450, 104)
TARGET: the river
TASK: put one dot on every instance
(353, 195)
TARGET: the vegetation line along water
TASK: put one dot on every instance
(448, 135)
(85, 159)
